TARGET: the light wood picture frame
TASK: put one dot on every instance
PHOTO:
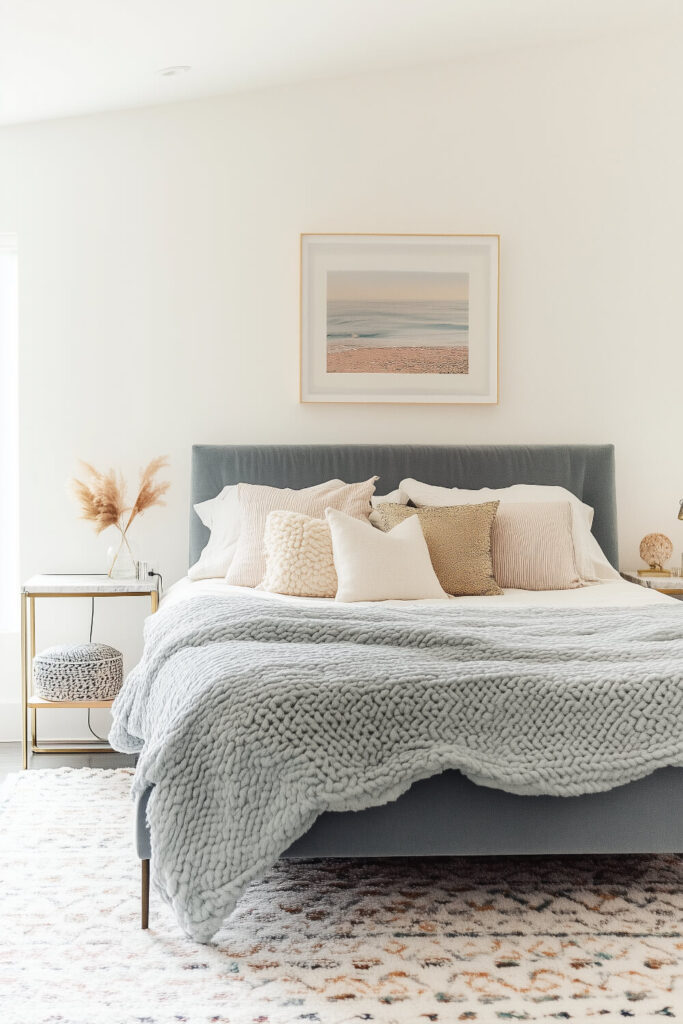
(399, 318)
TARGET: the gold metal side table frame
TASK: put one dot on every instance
(33, 703)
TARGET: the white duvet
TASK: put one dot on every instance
(613, 593)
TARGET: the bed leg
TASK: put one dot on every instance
(144, 894)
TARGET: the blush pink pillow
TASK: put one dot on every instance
(532, 546)
(248, 566)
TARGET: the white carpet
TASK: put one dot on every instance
(327, 942)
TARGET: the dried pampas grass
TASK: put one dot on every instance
(151, 491)
(102, 496)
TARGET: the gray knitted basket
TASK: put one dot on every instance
(78, 672)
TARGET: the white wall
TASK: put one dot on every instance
(159, 251)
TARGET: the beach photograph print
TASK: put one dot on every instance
(399, 318)
(397, 321)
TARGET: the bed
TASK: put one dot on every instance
(447, 814)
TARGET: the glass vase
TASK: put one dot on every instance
(122, 564)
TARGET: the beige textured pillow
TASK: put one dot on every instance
(298, 556)
(459, 542)
(256, 501)
(533, 546)
(375, 566)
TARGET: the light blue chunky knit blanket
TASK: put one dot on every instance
(254, 716)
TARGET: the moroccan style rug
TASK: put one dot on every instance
(323, 942)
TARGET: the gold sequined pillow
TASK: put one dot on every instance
(459, 542)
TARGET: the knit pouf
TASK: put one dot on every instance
(78, 672)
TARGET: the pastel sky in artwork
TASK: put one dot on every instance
(396, 285)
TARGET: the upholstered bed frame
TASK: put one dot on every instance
(448, 814)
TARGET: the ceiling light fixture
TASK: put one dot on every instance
(174, 69)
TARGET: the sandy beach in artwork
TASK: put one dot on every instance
(400, 359)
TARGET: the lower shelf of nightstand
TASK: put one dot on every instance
(36, 703)
(54, 705)
(72, 747)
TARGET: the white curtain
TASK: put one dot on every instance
(9, 438)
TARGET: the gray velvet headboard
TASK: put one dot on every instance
(586, 470)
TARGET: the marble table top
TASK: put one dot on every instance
(86, 583)
(667, 583)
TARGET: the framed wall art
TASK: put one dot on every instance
(399, 318)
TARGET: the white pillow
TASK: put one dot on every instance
(222, 516)
(396, 497)
(590, 560)
(602, 567)
(376, 566)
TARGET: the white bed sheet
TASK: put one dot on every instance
(612, 593)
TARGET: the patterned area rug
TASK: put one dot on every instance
(323, 942)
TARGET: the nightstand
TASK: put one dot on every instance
(671, 585)
(51, 586)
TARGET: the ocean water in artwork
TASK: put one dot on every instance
(381, 323)
(397, 322)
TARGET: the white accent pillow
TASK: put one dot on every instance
(222, 516)
(590, 560)
(298, 556)
(376, 566)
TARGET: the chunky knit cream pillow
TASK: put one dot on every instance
(298, 556)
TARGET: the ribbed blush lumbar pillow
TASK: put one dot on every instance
(298, 556)
(375, 566)
(256, 501)
(459, 542)
(533, 546)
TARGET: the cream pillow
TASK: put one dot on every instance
(533, 547)
(256, 501)
(376, 566)
(591, 564)
(222, 516)
(298, 556)
(396, 497)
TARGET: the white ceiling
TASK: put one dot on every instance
(63, 57)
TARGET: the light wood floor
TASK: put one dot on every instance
(10, 760)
